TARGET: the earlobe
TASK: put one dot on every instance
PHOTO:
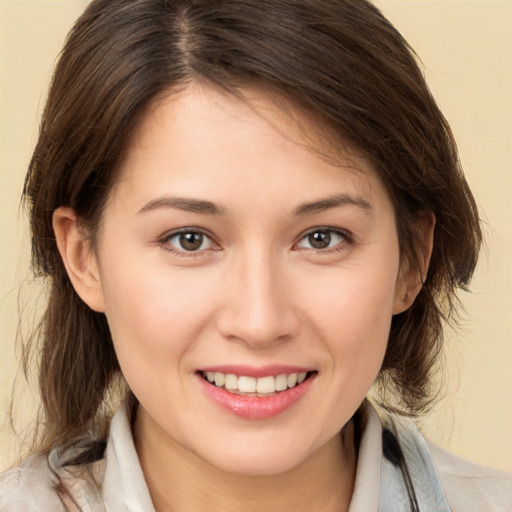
(411, 277)
(78, 258)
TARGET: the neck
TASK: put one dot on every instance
(180, 481)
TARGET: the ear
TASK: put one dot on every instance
(78, 258)
(411, 277)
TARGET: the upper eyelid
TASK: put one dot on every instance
(179, 231)
(343, 232)
(347, 235)
(324, 228)
(171, 234)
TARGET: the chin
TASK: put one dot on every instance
(268, 465)
(253, 459)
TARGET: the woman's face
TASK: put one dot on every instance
(230, 251)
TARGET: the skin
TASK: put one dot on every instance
(255, 293)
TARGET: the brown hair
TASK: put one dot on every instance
(341, 59)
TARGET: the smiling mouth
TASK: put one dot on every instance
(269, 385)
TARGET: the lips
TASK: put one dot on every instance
(265, 393)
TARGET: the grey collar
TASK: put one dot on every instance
(409, 481)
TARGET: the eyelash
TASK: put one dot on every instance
(164, 241)
(346, 239)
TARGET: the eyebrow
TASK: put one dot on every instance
(333, 202)
(209, 208)
(185, 204)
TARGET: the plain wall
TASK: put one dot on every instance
(466, 49)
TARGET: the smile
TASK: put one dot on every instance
(264, 394)
(251, 386)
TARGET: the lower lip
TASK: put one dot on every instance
(256, 407)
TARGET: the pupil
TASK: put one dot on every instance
(320, 239)
(191, 241)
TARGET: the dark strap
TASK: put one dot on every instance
(409, 480)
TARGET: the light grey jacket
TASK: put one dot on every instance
(441, 481)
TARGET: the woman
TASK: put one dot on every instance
(248, 212)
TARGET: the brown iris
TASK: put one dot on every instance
(191, 241)
(319, 239)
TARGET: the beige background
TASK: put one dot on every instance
(466, 48)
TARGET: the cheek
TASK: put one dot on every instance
(355, 305)
(352, 313)
(154, 316)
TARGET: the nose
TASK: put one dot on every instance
(258, 308)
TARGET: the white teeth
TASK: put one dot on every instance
(231, 381)
(262, 386)
(292, 380)
(266, 385)
(281, 382)
(246, 384)
(219, 379)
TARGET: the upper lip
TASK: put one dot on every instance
(256, 371)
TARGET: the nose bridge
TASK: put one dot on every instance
(258, 308)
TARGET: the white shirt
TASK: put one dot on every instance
(116, 482)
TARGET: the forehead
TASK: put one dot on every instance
(205, 139)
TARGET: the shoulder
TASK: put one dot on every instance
(467, 487)
(64, 480)
(29, 487)
(470, 487)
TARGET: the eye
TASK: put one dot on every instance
(188, 241)
(322, 239)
